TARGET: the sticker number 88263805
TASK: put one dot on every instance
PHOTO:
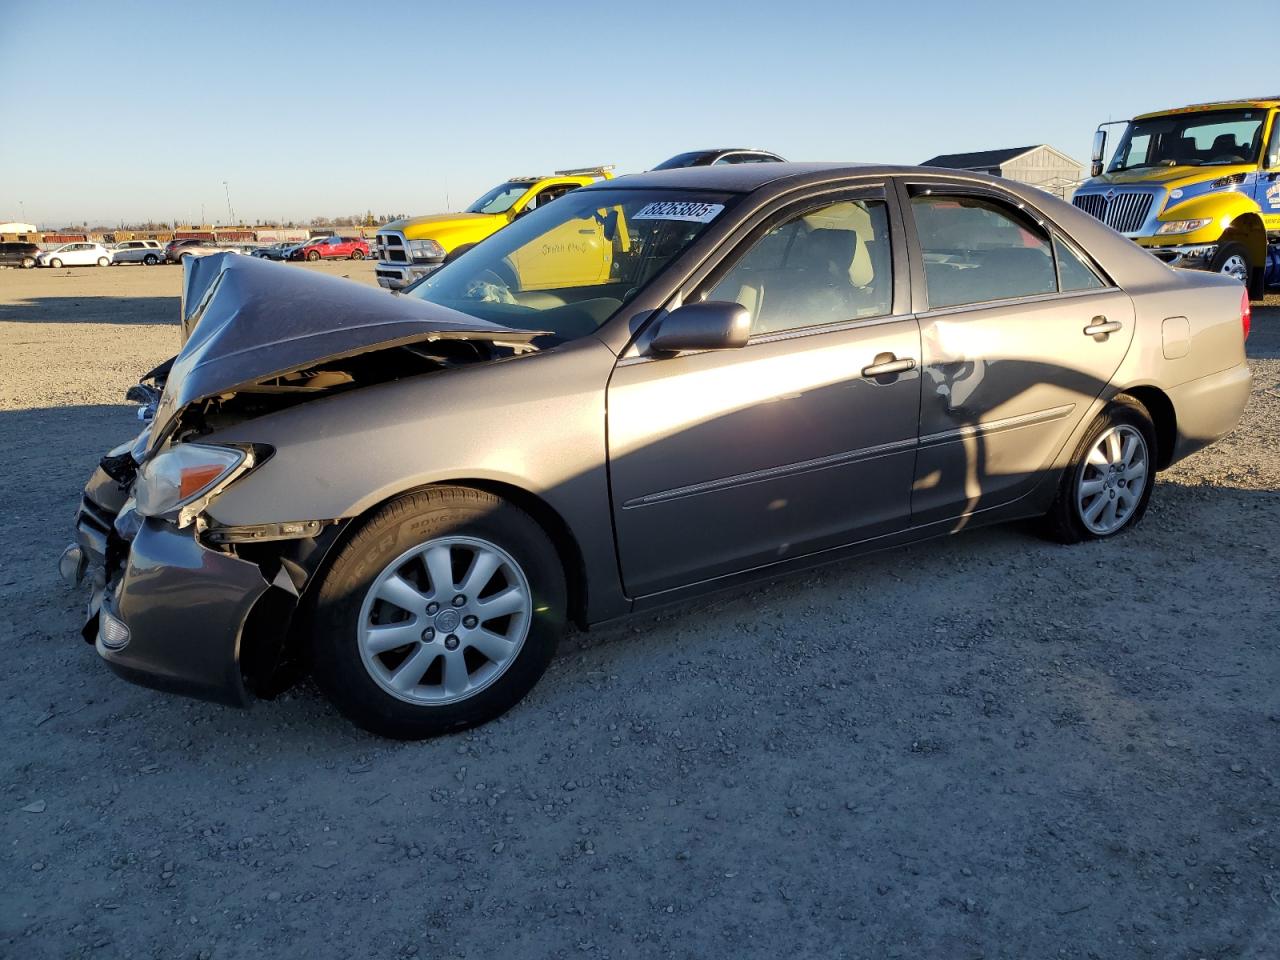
(691, 211)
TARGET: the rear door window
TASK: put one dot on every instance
(978, 250)
(1074, 273)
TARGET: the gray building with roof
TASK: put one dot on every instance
(1040, 166)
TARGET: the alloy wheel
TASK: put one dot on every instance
(444, 620)
(1112, 480)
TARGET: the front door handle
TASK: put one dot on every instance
(888, 366)
(1101, 326)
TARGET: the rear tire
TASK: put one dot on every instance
(357, 254)
(149, 260)
(28, 263)
(1097, 498)
(409, 691)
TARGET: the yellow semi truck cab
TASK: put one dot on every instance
(1198, 186)
(410, 249)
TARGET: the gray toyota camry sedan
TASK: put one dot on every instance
(654, 387)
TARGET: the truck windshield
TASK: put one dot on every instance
(1210, 138)
(568, 267)
(499, 199)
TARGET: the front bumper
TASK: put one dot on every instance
(1192, 256)
(397, 276)
(184, 607)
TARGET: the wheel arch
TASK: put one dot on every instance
(1163, 417)
(543, 513)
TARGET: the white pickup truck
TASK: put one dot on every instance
(147, 252)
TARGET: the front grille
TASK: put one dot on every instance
(391, 248)
(1126, 211)
(95, 516)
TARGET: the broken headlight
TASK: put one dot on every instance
(180, 482)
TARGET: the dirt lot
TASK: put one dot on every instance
(985, 747)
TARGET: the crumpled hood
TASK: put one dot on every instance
(245, 320)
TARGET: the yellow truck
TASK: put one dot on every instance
(408, 250)
(1198, 186)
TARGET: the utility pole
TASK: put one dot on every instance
(231, 216)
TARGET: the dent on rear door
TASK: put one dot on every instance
(1004, 387)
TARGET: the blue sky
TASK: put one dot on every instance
(133, 110)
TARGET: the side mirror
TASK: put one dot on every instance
(1099, 151)
(710, 325)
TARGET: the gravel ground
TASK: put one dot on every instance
(988, 746)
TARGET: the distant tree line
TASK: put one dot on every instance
(366, 219)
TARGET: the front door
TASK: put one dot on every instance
(802, 440)
(1268, 185)
(1021, 333)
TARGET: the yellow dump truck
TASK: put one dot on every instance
(1198, 186)
(410, 249)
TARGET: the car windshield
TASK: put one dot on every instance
(1209, 138)
(500, 198)
(691, 159)
(570, 266)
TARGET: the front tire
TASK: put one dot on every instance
(313, 256)
(55, 263)
(1106, 489)
(104, 262)
(440, 613)
(28, 263)
(1232, 260)
(357, 254)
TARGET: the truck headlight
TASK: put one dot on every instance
(1181, 226)
(178, 483)
(425, 250)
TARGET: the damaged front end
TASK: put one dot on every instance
(178, 602)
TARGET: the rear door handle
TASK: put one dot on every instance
(1101, 326)
(886, 368)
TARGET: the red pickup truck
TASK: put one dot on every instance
(331, 248)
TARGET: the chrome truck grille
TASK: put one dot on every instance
(391, 247)
(1123, 211)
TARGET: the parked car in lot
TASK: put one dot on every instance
(179, 251)
(718, 155)
(147, 252)
(277, 251)
(784, 365)
(80, 254)
(331, 248)
(18, 254)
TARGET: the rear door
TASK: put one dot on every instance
(1020, 332)
(726, 460)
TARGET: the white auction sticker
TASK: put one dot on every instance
(680, 210)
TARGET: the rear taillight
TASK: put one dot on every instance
(1246, 314)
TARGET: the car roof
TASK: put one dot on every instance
(747, 177)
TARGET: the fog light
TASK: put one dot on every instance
(71, 564)
(112, 631)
